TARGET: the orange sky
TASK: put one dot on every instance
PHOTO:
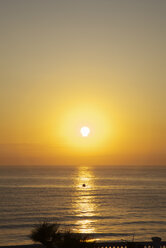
(67, 64)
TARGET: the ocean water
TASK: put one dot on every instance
(117, 202)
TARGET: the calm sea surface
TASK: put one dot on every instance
(117, 202)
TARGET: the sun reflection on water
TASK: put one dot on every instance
(84, 204)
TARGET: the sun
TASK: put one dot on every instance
(85, 131)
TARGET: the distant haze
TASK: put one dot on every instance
(66, 64)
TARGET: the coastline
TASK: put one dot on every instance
(23, 246)
(156, 242)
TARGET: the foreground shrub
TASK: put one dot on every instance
(50, 236)
(46, 234)
(76, 240)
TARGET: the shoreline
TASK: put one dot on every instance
(22, 246)
(156, 242)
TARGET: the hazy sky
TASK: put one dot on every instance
(66, 63)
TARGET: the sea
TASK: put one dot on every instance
(112, 203)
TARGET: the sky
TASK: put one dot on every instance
(65, 64)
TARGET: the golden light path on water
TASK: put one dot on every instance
(84, 204)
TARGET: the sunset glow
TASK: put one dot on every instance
(82, 123)
(74, 64)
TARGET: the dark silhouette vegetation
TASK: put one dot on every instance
(50, 236)
(46, 234)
